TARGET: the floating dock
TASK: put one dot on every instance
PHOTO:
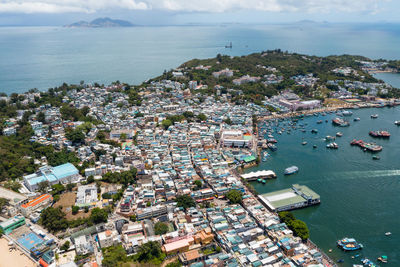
(299, 196)
(252, 176)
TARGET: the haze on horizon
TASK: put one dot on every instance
(176, 12)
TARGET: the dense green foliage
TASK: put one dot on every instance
(150, 252)
(160, 228)
(114, 256)
(234, 196)
(185, 201)
(65, 246)
(125, 178)
(298, 227)
(53, 219)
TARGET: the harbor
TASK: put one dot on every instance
(358, 194)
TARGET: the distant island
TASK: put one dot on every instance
(101, 23)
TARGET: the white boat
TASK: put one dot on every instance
(397, 123)
(291, 170)
(374, 116)
(388, 233)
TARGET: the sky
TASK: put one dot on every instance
(175, 12)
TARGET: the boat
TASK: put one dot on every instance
(339, 134)
(272, 147)
(319, 122)
(357, 119)
(291, 170)
(329, 138)
(379, 134)
(375, 157)
(229, 46)
(314, 131)
(304, 143)
(314, 146)
(272, 140)
(388, 233)
(263, 181)
(383, 259)
(349, 244)
(340, 260)
(397, 123)
(259, 180)
(367, 262)
(366, 146)
(347, 113)
(340, 122)
(374, 116)
(332, 145)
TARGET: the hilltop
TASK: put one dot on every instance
(101, 23)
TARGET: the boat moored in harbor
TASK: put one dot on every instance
(381, 134)
(367, 146)
(291, 170)
(349, 244)
(340, 122)
(374, 116)
(332, 145)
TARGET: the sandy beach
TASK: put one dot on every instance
(13, 258)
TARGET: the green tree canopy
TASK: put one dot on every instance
(234, 196)
(53, 219)
(185, 201)
(160, 228)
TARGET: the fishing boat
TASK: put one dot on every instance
(397, 123)
(314, 146)
(314, 131)
(291, 170)
(259, 180)
(272, 140)
(374, 116)
(332, 145)
(340, 122)
(366, 146)
(388, 233)
(376, 157)
(379, 134)
(340, 260)
(357, 119)
(304, 143)
(339, 134)
(383, 259)
(263, 181)
(272, 147)
(319, 122)
(367, 262)
(329, 138)
(347, 113)
(349, 244)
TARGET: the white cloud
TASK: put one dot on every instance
(308, 6)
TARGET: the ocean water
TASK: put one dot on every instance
(43, 57)
(359, 195)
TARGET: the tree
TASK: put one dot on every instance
(114, 256)
(133, 218)
(65, 246)
(228, 121)
(185, 201)
(75, 136)
(123, 137)
(3, 202)
(298, 227)
(90, 179)
(149, 251)
(53, 219)
(43, 186)
(176, 263)
(70, 187)
(98, 215)
(57, 189)
(160, 228)
(234, 196)
(198, 184)
(166, 123)
(202, 117)
(75, 210)
(41, 117)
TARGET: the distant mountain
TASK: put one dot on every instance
(101, 23)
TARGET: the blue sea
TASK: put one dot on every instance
(43, 57)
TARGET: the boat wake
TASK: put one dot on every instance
(354, 175)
